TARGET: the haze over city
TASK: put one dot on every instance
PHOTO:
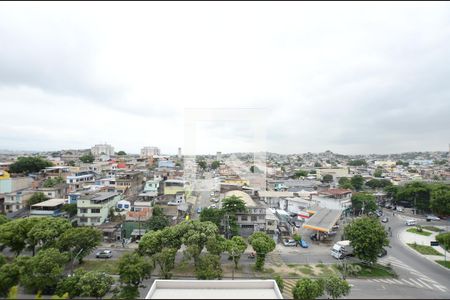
(348, 77)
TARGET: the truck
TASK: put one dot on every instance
(341, 249)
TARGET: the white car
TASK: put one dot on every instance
(212, 206)
(411, 222)
(399, 208)
(287, 242)
(432, 218)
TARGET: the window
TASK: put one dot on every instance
(95, 210)
(247, 226)
(254, 218)
(83, 210)
(126, 206)
(119, 205)
(49, 194)
(244, 218)
(83, 219)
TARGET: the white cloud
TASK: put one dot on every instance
(347, 77)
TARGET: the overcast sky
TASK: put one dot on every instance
(346, 77)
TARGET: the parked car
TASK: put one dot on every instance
(199, 210)
(411, 222)
(379, 213)
(289, 242)
(104, 254)
(212, 206)
(432, 218)
(382, 253)
(388, 206)
(212, 194)
(385, 220)
(399, 208)
(313, 237)
(303, 244)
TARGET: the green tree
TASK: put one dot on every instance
(235, 247)
(213, 215)
(121, 152)
(202, 164)
(367, 237)
(444, 240)
(357, 162)
(307, 289)
(216, 244)
(165, 259)
(417, 194)
(254, 169)
(70, 285)
(300, 173)
(70, 209)
(378, 172)
(215, 164)
(327, 178)
(209, 267)
(133, 269)
(71, 163)
(9, 277)
(345, 183)
(43, 271)
(296, 237)
(80, 240)
(196, 236)
(317, 165)
(87, 158)
(47, 230)
(440, 200)
(280, 282)
(12, 293)
(3, 219)
(357, 182)
(401, 163)
(29, 165)
(151, 243)
(51, 182)
(363, 201)
(36, 198)
(262, 244)
(95, 284)
(233, 205)
(336, 287)
(14, 234)
(157, 222)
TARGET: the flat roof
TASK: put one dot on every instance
(103, 196)
(323, 220)
(275, 194)
(214, 289)
(49, 203)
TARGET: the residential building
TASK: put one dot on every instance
(173, 186)
(129, 182)
(214, 289)
(13, 191)
(93, 208)
(102, 149)
(253, 219)
(48, 208)
(57, 192)
(78, 180)
(147, 152)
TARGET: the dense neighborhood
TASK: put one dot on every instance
(101, 223)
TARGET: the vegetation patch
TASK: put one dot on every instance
(305, 270)
(363, 270)
(417, 231)
(433, 228)
(108, 266)
(444, 263)
(425, 250)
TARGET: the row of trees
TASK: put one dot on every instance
(53, 243)
(204, 165)
(423, 196)
(28, 165)
(307, 288)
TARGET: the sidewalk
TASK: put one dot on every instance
(411, 238)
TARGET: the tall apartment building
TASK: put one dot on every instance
(149, 152)
(102, 149)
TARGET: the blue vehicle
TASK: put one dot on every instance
(303, 244)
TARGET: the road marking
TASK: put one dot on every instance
(443, 289)
(376, 280)
(398, 281)
(390, 281)
(428, 286)
(416, 282)
(408, 282)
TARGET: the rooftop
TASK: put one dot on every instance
(50, 203)
(214, 289)
(101, 196)
(323, 220)
(249, 202)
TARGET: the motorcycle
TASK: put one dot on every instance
(252, 255)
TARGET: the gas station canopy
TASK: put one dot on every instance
(323, 220)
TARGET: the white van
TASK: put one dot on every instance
(400, 208)
(411, 222)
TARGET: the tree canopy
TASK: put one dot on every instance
(357, 162)
(440, 200)
(29, 165)
(357, 182)
(121, 152)
(327, 178)
(300, 173)
(307, 289)
(158, 220)
(364, 201)
(37, 198)
(213, 215)
(76, 239)
(336, 287)
(367, 237)
(209, 267)
(215, 164)
(133, 269)
(51, 182)
(444, 240)
(262, 244)
(87, 158)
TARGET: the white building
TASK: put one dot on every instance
(149, 152)
(102, 149)
(214, 289)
